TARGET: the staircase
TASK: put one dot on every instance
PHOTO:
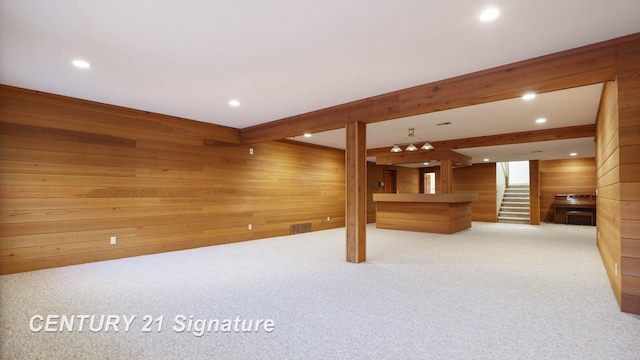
(515, 205)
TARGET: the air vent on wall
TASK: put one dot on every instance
(300, 228)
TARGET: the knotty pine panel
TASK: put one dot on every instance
(75, 173)
(567, 176)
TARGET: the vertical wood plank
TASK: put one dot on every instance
(446, 176)
(356, 191)
(534, 191)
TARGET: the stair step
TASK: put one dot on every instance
(511, 221)
(514, 212)
(511, 218)
(513, 215)
(514, 209)
(515, 205)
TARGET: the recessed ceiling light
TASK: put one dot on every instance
(82, 64)
(573, 154)
(485, 160)
(307, 135)
(528, 96)
(541, 120)
(489, 14)
(234, 103)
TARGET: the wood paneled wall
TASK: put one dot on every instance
(480, 179)
(566, 176)
(374, 175)
(608, 182)
(407, 182)
(618, 178)
(628, 81)
(75, 173)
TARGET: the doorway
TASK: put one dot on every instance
(429, 183)
(513, 199)
(390, 182)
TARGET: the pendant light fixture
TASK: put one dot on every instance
(410, 141)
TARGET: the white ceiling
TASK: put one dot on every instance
(282, 58)
(572, 107)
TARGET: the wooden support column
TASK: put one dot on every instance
(534, 191)
(446, 176)
(356, 191)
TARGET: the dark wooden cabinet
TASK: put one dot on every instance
(576, 209)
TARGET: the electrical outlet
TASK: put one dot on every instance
(113, 240)
(328, 219)
(250, 151)
(616, 269)
(250, 227)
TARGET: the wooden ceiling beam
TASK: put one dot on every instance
(414, 157)
(586, 65)
(571, 132)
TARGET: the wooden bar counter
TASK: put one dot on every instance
(432, 213)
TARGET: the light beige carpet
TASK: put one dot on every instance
(495, 291)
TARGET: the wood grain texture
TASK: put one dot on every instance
(571, 132)
(420, 156)
(566, 176)
(586, 65)
(446, 176)
(628, 81)
(408, 181)
(41, 132)
(608, 184)
(534, 192)
(75, 173)
(217, 187)
(439, 218)
(356, 192)
(479, 179)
